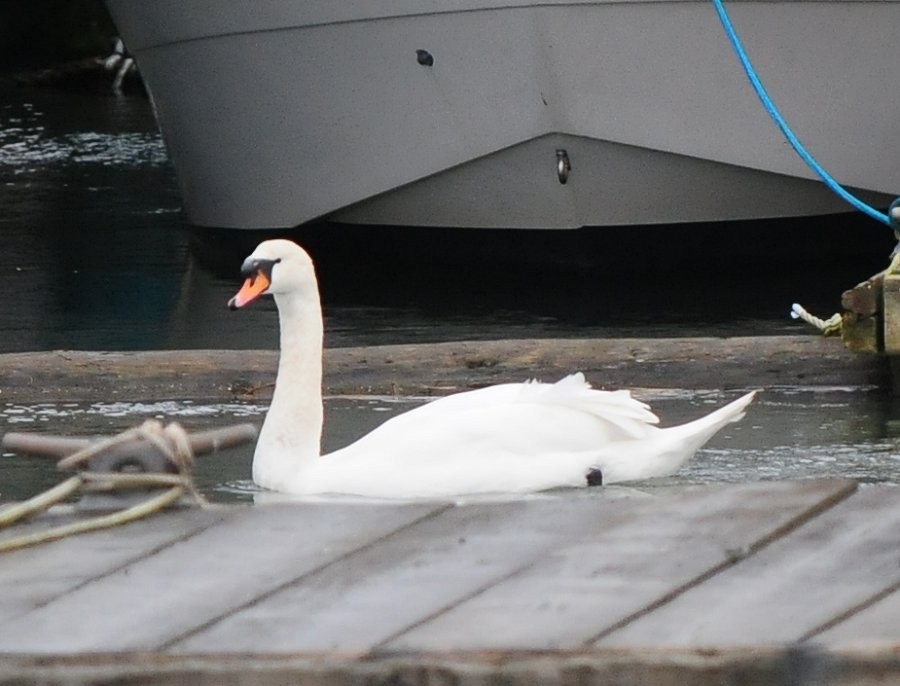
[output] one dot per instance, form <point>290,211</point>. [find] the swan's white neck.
<point>290,439</point>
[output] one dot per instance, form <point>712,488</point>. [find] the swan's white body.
<point>510,438</point>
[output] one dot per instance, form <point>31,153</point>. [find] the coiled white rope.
<point>171,440</point>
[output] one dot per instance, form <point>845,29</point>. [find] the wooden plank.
<point>366,598</point>
<point>801,582</point>
<point>33,577</point>
<point>876,624</point>
<point>155,600</point>
<point>574,593</point>
<point>757,667</point>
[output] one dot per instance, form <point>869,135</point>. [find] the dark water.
<point>96,254</point>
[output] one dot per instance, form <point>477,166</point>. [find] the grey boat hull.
<point>277,113</point>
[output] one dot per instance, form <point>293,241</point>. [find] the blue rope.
<point>785,129</point>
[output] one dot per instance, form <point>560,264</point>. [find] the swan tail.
<point>667,451</point>
<point>696,433</point>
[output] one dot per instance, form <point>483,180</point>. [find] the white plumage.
<point>508,438</point>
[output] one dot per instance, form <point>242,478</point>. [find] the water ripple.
<point>26,149</point>
<point>41,412</point>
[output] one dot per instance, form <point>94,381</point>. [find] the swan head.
<point>277,267</point>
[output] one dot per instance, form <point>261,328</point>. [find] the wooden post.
<point>891,298</point>
<point>861,325</point>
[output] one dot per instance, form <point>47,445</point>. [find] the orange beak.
<point>253,287</point>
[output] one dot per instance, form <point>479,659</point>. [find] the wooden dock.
<point>762,583</point>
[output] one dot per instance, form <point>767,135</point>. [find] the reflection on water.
<point>25,149</point>
<point>90,263</point>
<point>787,434</point>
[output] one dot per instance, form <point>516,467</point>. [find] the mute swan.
<point>512,438</point>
